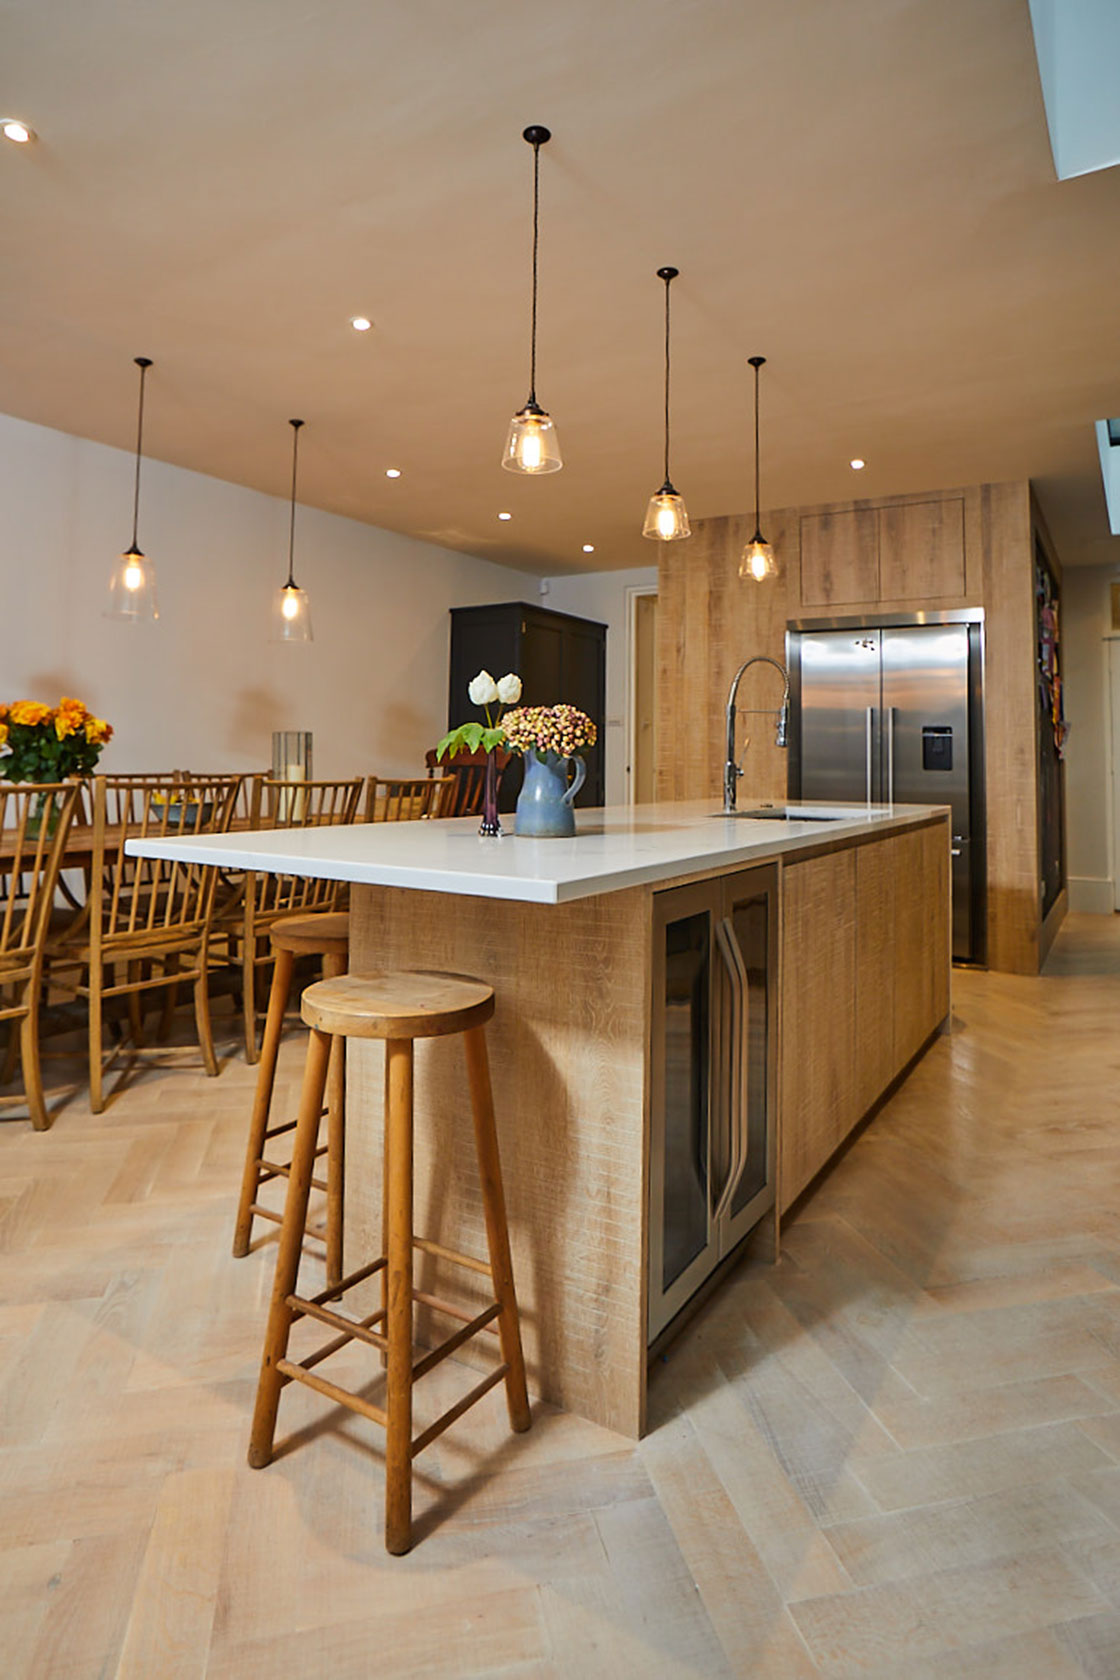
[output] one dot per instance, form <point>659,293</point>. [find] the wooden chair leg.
<point>11,1053</point>
<point>29,1056</point>
<point>170,1000</point>
<point>96,1092</point>
<point>398,1171</point>
<point>135,1012</point>
<point>336,1139</point>
<point>497,1230</point>
<point>262,1100</point>
<point>291,1246</point>
<point>202,1013</point>
<point>249,998</point>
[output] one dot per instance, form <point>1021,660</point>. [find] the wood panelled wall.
<point>937,550</point>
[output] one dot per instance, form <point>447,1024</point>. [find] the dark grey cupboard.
<point>558,657</point>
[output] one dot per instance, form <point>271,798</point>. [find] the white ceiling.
<point>864,193</point>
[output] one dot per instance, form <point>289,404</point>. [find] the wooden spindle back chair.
<point>34,825</point>
<point>145,917</point>
<point>406,798</point>
<point>469,771</point>
<point>282,804</point>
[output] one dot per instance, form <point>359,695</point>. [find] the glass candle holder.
<point>291,762</point>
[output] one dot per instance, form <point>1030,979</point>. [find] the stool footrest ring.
<point>456,1411</point>
<point>332,1391</point>
<point>440,1353</point>
<point>352,1331</point>
<point>457,1259</point>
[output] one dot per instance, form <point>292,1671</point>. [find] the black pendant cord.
<point>536,245</point>
<point>668,275</point>
<point>536,135</point>
<point>756,362</point>
<point>295,425</point>
<point>143,363</point>
<point>668,282</point>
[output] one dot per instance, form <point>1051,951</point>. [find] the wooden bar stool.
<point>326,935</point>
<point>398,1008</point>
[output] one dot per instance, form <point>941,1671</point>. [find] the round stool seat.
<point>325,935</point>
<point>411,1003</point>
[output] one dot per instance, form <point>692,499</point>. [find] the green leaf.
<point>492,738</point>
<point>464,739</point>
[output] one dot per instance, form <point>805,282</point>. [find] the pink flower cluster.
<point>558,729</point>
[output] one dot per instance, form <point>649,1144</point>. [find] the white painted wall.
<point>204,688</point>
<point>604,596</point>
<point>1086,623</point>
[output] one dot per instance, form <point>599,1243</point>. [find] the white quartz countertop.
<point>615,846</point>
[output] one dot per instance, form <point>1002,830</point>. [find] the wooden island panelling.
<point>863,972</point>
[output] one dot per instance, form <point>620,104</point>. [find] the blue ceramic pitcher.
<point>544,805</point>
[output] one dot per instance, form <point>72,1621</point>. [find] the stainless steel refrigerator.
<point>891,712</point>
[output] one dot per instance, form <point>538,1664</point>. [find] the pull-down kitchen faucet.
<point>731,770</point>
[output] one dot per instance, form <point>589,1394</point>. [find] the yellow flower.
<point>98,731</point>
<point>29,713</point>
<point>3,733</point>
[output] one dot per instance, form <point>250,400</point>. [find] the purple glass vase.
<point>490,824</point>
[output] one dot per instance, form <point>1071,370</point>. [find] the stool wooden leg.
<point>497,1231</point>
<point>385,1221</point>
<point>262,1100</point>
<point>398,1171</point>
<point>336,1138</point>
<point>291,1247</point>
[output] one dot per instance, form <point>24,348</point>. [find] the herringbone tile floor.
<point>897,1454</point>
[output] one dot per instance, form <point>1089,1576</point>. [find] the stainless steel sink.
<point>784,813</point>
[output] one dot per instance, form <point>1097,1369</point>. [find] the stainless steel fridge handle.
<point>870,730</point>
<point>737,974</point>
<point>889,710</point>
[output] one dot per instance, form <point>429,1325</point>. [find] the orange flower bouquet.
<point>49,743</point>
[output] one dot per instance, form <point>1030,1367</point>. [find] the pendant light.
<point>292,610</point>
<point>757,561</point>
<point>132,587</point>
<point>666,515</point>
<point>531,443</point>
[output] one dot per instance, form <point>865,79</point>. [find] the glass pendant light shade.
<point>757,562</point>
<point>531,443</point>
<point>666,516</point>
<point>132,587</point>
<point>291,615</point>
<point>291,609</point>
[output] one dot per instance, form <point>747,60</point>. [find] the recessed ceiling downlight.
<point>505,516</point>
<point>361,323</point>
<point>17,131</point>
<point>856,464</point>
<point>589,548</point>
<point>392,472</point>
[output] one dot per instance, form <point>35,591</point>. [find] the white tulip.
<point>483,690</point>
<point>509,690</point>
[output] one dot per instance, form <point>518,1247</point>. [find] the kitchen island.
<point>846,982</point>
